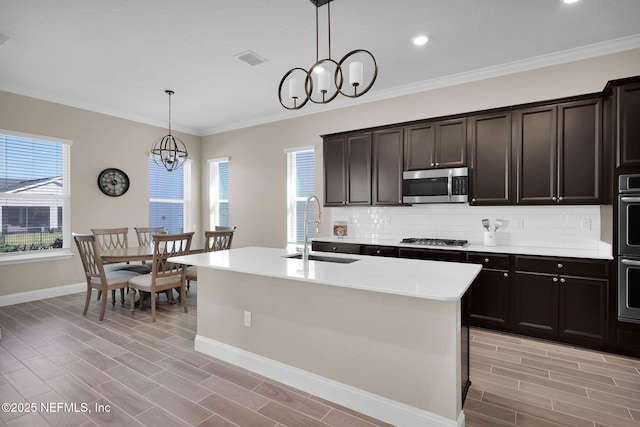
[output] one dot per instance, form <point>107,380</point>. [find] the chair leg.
<point>121,296</point>
<point>103,306</point>
<point>99,295</point>
<point>86,304</point>
<point>113,297</point>
<point>132,298</point>
<point>153,306</point>
<point>183,295</point>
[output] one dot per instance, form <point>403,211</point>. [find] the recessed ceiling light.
<point>570,1</point>
<point>420,40</point>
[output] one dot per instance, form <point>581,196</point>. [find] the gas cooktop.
<point>434,242</point>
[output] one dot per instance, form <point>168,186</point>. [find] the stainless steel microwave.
<point>436,186</point>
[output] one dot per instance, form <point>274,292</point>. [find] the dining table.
<point>132,254</point>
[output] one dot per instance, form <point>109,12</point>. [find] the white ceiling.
<point>118,56</point>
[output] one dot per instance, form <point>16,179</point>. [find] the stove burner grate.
<point>434,242</point>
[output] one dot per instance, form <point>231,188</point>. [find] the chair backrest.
<point>145,234</point>
<point>166,246</point>
<point>217,240</point>
<point>111,238</point>
<point>90,256</point>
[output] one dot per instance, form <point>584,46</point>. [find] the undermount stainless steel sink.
<point>313,257</point>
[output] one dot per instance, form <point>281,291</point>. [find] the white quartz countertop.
<point>604,252</point>
<point>436,280</point>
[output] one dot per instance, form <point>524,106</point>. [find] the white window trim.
<point>213,189</point>
<point>291,243</point>
<point>53,254</point>
<point>186,199</point>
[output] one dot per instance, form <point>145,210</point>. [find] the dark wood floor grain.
<point>128,371</point>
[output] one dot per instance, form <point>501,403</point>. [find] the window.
<point>168,206</point>
<point>300,185</point>
<point>35,196</point>
<point>219,192</point>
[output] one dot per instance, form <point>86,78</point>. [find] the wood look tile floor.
<point>518,381</point>
<point>148,374</point>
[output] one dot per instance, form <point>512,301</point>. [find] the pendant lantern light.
<point>169,152</point>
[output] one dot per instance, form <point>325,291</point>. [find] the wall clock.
<point>113,182</point>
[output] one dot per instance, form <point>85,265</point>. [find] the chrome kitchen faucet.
<point>305,248</point>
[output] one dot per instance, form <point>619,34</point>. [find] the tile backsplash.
<point>568,227</point>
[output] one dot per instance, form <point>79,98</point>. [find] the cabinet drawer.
<point>568,266</point>
<point>344,248</point>
<point>379,250</point>
<point>429,254</point>
<point>492,261</point>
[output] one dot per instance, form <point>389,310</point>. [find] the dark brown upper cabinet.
<point>388,148</point>
<point>490,144</point>
<point>558,151</point>
<point>628,125</point>
<point>347,169</point>
<point>433,145</point>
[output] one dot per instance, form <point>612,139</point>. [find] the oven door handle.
<point>630,262</point>
<point>630,199</point>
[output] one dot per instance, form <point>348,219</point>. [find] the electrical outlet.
<point>585,224</point>
<point>247,319</point>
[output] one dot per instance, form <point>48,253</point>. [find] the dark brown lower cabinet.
<point>343,248</point>
<point>549,303</point>
<point>489,293</point>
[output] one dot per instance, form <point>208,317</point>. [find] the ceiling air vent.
<point>250,58</point>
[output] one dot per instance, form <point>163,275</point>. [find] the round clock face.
<point>113,182</point>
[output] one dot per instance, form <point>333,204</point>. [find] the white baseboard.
<point>22,297</point>
<point>362,401</point>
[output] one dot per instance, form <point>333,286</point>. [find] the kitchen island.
<point>378,335</point>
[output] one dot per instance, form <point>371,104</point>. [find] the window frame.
<point>49,254</point>
<point>214,199</point>
<point>186,201</point>
<point>292,198</point>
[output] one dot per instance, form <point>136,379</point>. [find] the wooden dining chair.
<point>97,277</point>
<point>165,275</point>
<point>145,234</point>
<point>217,240</point>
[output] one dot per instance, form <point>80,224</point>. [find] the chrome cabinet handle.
<point>334,248</point>
<point>562,280</point>
<point>554,198</point>
<point>486,260</point>
<point>555,279</point>
<point>506,274</point>
<point>560,198</point>
<point>559,265</point>
<point>378,251</point>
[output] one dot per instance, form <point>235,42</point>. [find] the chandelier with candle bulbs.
<point>299,86</point>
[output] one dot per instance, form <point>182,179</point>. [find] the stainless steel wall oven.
<point>629,248</point>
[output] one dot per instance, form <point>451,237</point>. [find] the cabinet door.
<point>388,148</point>
<point>536,155</point>
<point>489,299</point>
<point>359,169</point>
<point>491,159</point>
<point>628,125</point>
<point>583,307</point>
<point>335,171</point>
<point>580,151</point>
<point>451,143</point>
<point>431,254</point>
<point>536,303</point>
<point>420,147</point>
